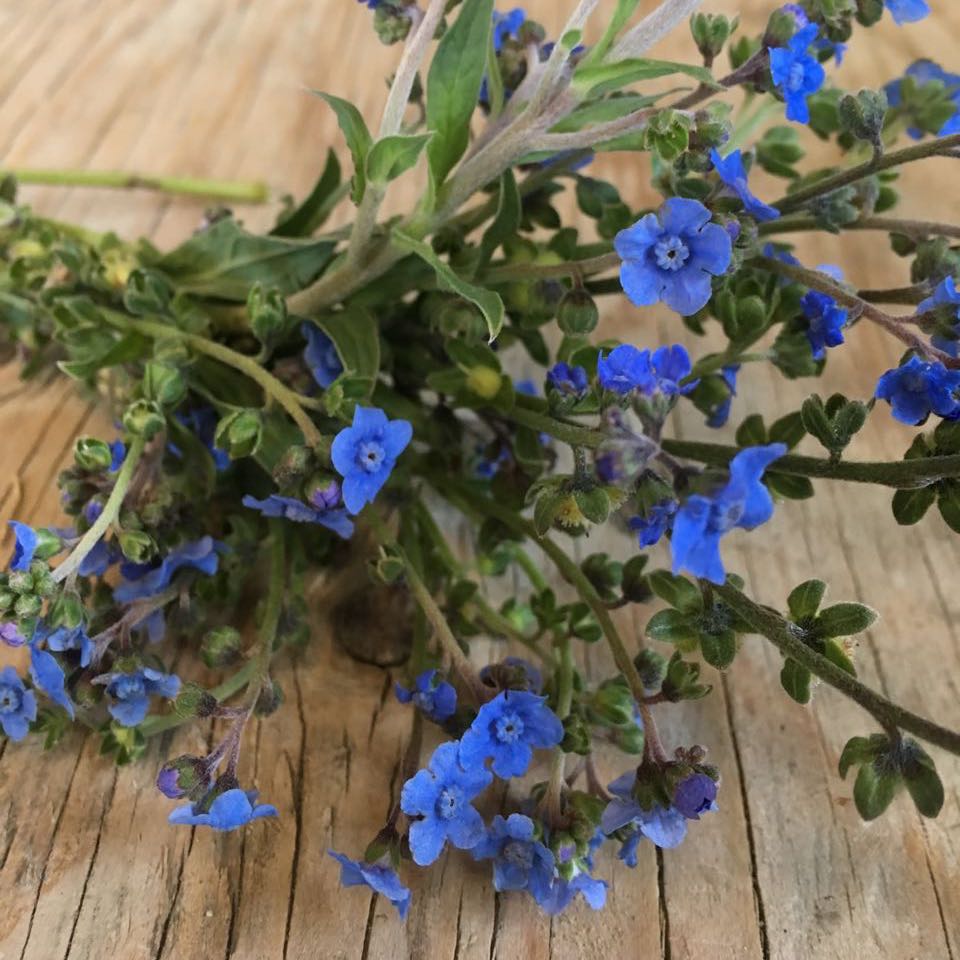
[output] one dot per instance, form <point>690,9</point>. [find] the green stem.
<point>920,151</point>
<point>552,799</point>
<point>525,414</point>
<point>226,190</point>
<point>901,474</point>
<point>111,510</point>
<point>529,567</point>
<point>910,228</point>
<point>500,273</point>
<point>432,612</point>
<point>498,623</point>
<point>271,611</point>
<point>271,386</point>
<point>778,631</point>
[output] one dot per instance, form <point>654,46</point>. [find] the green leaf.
<point>816,422</point>
<point>623,12</point>
<point>305,218</point>
<point>131,346</point>
<point>507,220</point>
<point>790,486</point>
<point>672,626</point>
<point>453,85</point>
<point>789,430</point>
<point>909,506</point>
<point>594,504</point>
<point>922,780</point>
<point>874,790</point>
<point>602,111</point>
<point>845,619</point>
<point>489,303</point>
<point>860,750</point>
<point>949,504</point>
<point>751,432</point>
<point>545,509</point>
<point>391,156</point>
<point>677,591</point>
<point>225,261</point>
<point>719,649</point>
<point>355,334</point>
<point>592,80</point>
<point>357,136</point>
<point>795,679</point>
<point>805,599</point>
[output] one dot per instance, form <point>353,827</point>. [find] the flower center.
<point>126,687</point>
<point>10,699</point>
<point>519,853</point>
<point>671,253</point>
<point>509,728</point>
<point>449,803</point>
<point>725,516</point>
<point>370,455</point>
<point>795,77</point>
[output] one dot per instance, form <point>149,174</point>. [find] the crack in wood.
<point>297,779</point>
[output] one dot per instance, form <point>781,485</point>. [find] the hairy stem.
<point>779,632</point>
<point>110,512</point>
<point>909,228</point>
<point>920,151</point>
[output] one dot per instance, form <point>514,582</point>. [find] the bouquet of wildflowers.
<point>320,403</point>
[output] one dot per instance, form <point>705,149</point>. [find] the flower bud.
<point>163,384</point>
<point>194,701</point>
<point>861,115</point>
<point>292,466</point>
<point>576,735</point>
<point>92,454</point>
<point>269,700</point>
<point>710,32</point>
<point>20,581</point>
<point>137,546</point>
<point>577,312</point>
<point>186,776</point>
<point>652,667</point>
<point>484,382</point>
<point>220,646</point>
<point>146,292</point>
<point>634,584</point>
<point>239,433</point>
<point>391,23</point>
<point>613,704</point>
<point>27,605</point>
<point>267,311</point>
<point>143,418</point>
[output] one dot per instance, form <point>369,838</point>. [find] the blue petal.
<point>130,713</point>
<point>396,435</point>
<point>48,675</point>
<point>641,282</point>
<point>419,794</point>
<point>634,242</point>
<point>427,838</point>
<point>25,546</point>
<point>666,828</point>
<point>680,215</point>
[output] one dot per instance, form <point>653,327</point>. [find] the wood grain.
<point>785,870</point>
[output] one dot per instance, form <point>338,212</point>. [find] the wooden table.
<point>88,866</point>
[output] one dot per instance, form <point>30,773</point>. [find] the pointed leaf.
<point>677,591</point>
<point>909,506</point>
<point>305,218</point>
<point>391,156</point>
<point>874,789</point>
<point>805,599</point>
<point>357,136</point>
<point>845,619</point>
<point>795,679</point>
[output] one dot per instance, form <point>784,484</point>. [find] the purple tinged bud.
<point>11,636</point>
<point>327,497</point>
<point>184,776</point>
<point>695,795</point>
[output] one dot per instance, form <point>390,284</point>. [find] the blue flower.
<point>321,355</point>
<point>148,581</point>
<point>378,876</point>
<point>672,256</point>
<point>797,73</point>
<point>825,319</point>
<point>568,380</point>
<point>945,295</point>
<point>436,698</point>
<point>290,508</point>
<point>11,635</point>
<point>364,454</point>
<point>731,172</point>
<point>907,11</point>
<point>670,366</point>
<point>655,524</point>
<point>506,25</point>
<point>665,827</point>
<point>695,795</point>
<point>63,639</point>
<point>923,72</point>
<point>520,861</point>
<point>562,892</point>
<point>18,705</point>
<point>702,521</point>
<point>719,415</point>
<point>103,556</point>
<point>918,388</point>
<point>131,692</point>
<point>232,809</point>
<point>508,728</point>
<point>837,50</point>
<point>625,369</point>
<point>118,453</point>
<point>440,796</point>
<point>202,421</point>
<point>47,675</point>
<point>25,546</point>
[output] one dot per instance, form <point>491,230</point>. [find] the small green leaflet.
<point>489,303</point>
<point>356,337</point>
<point>603,78</point>
<point>391,156</point>
<point>453,85</point>
<point>358,139</point>
<point>507,220</point>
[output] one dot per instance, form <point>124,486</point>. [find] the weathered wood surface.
<point>88,866</point>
